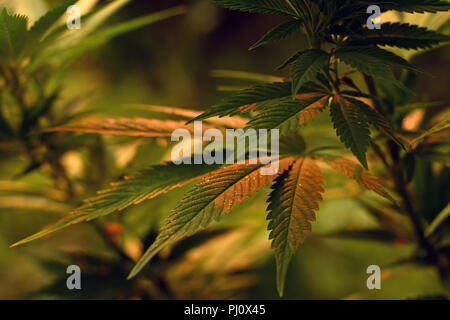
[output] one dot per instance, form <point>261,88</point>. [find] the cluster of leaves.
<point>337,38</point>
<point>34,62</point>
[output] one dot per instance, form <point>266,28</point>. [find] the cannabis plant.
<point>347,70</point>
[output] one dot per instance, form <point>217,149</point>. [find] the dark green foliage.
<point>286,114</point>
<point>262,6</point>
<point>145,185</point>
<point>411,6</point>
<point>235,104</point>
<point>366,60</point>
<point>336,35</point>
<point>351,127</point>
<point>376,119</point>
<point>13,34</point>
<point>306,67</point>
<point>44,24</point>
<point>400,35</point>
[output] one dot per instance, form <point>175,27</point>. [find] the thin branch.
<point>373,92</point>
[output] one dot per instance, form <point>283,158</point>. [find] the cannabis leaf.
<point>357,173</point>
<point>40,27</point>
<point>261,6</point>
<point>13,32</point>
<point>292,203</point>
<point>242,101</point>
<point>214,196</point>
<point>138,127</point>
<point>287,114</point>
<point>366,60</point>
<point>411,6</point>
<point>131,191</point>
<point>255,97</point>
<point>307,66</point>
<point>401,35</point>
<point>291,59</point>
<point>280,32</point>
<point>377,120</point>
<point>351,127</point>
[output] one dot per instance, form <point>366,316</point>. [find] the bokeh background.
<point>177,63</point>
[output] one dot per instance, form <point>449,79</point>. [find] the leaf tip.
<point>281,280</point>
<point>18,243</point>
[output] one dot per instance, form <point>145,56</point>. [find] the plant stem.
<point>374,92</point>
<point>292,7</point>
<point>330,78</point>
<point>401,188</point>
<point>400,183</point>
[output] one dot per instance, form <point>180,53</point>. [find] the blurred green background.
<point>172,63</point>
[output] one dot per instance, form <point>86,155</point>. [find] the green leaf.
<point>357,173</point>
<point>13,31</point>
<point>400,35</point>
<point>60,37</point>
<point>131,191</point>
<point>295,197</point>
<point>411,6</point>
<point>442,216</point>
<point>366,60</point>
<point>391,59</point>
<point>287,114</point>
<point>280,32</point>
<point>238,103</point>
<point>291,60</point>
<point>351,127</point>
<point>306,67</point>
<point>260,6</point>
<point>40,27</point>
<point>214,196</point>
<point>377,120</point>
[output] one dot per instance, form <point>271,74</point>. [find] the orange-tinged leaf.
<point>286,114</point>
<point>217,194</point>
<point>138,127</point>
<point>292,207</point>
<point>186,114</point>
<point>130,191</point>
<point>358,173</point>
<point>313,110</point>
